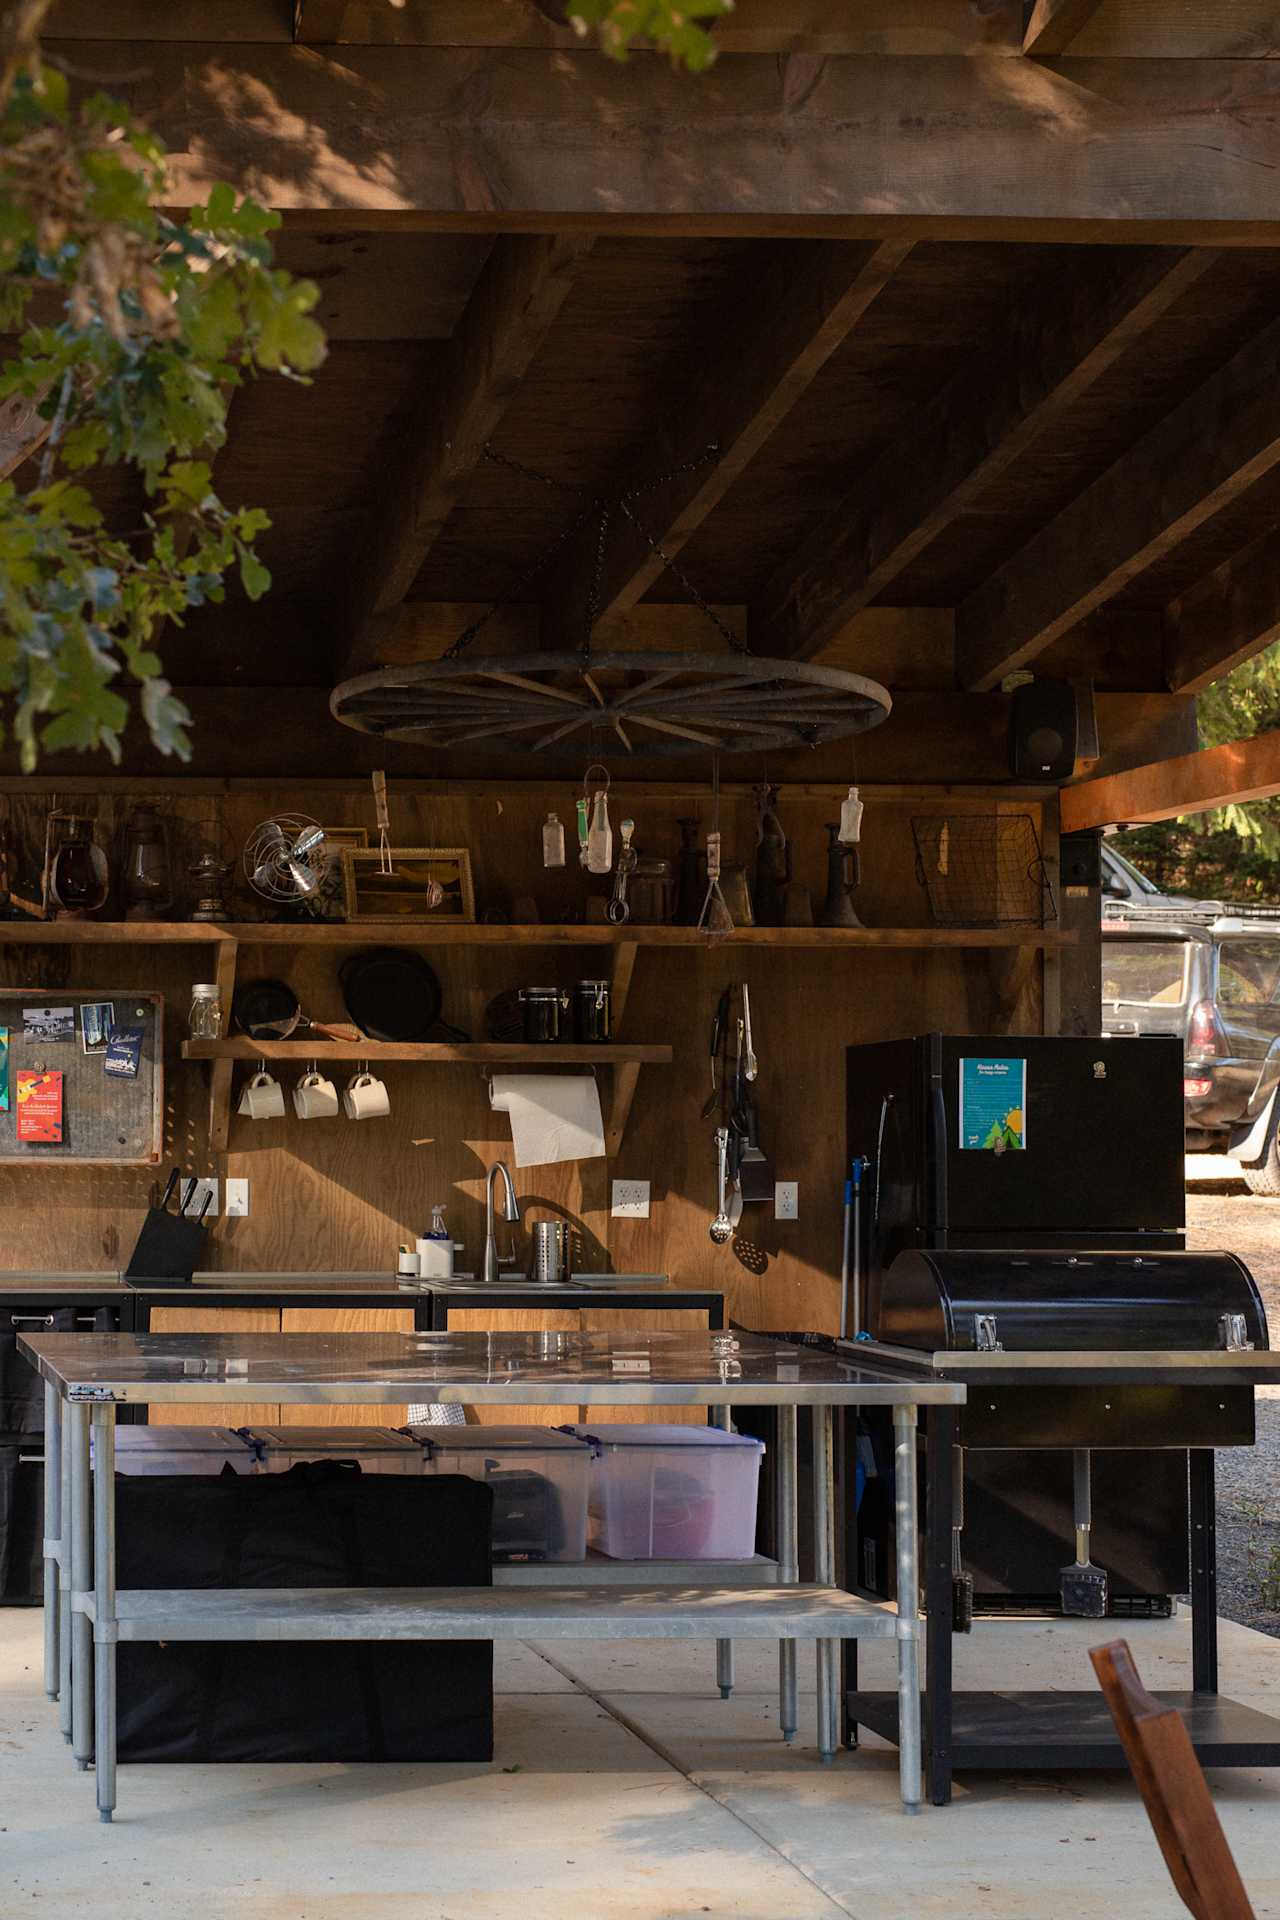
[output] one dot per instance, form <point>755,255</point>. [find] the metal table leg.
<point>722,1417</point>
<point>824,1561</point>
<point>64,1568</point>
<point>104,1606</point>
<point>788,1550</point>
<point>1204,1573</point>
<point>906,1522</point>
<point>52,1530</point>
<point>940,1455</point>
<point>77,1438</point>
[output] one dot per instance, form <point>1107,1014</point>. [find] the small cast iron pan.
<point>390,994</point>
<point>269,1010</point>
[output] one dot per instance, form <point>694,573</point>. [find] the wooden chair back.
<point>1172,1783</point>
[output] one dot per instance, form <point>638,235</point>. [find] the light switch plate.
<point>203,1186</point>
<point>630,1200</point>
<point>237,1199</point>
<point>786,1200</point>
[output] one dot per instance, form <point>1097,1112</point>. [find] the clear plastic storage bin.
<point>151,1450</point>
<point>376,1449</point>
<point>673,1493</point>
<point>539,1480</point>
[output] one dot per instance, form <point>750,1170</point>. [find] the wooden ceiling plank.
<point>1054,24</point>
<point>1224,619</point>
<point>22,431</point>
<point>1214,446</point>
<point>499,139</point>
<point>523,286</point>
<point>1062,340</point>
<point>760,362</point>
<point>319,23</point>
<point>1236,773</point>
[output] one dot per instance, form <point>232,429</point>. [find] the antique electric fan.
<point>731,701</point>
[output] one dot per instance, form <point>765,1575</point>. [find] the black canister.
<point>541,1010</point>
<point>592,1012</point>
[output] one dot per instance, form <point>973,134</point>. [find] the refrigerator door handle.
<point>940,1144</point>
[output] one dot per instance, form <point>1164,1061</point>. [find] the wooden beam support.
<point>1224,619</point>
<point>850,146</point>
<point>523,286</point>
<point>319,23</point>
<point>1054,24</point>
<point>1242,770</point>
<point>759,364</point>
<point>1204,454</point>
<point>1066,336</point>
<point>22,431</point>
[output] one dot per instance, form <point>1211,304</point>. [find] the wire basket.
<point>982,870</point>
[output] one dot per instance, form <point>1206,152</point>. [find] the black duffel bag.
<point>321,1525</point>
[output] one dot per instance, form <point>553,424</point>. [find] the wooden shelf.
<point>429,1053</point>
<point>274,933</point>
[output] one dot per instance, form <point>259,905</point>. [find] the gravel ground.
<point>1221,1212</point>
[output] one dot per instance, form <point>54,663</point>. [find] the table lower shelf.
<point>598,1570</point>
<point>1007,1732</point>
<point>497,1613</point>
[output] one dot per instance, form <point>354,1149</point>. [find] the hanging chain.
<point>605,506</point>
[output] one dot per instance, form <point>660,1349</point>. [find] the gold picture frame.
<point>340,837</point>
<point>376,897</point>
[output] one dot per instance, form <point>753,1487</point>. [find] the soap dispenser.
<point>435,1249</point>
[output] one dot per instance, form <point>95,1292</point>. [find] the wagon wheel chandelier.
<point>653,701</point>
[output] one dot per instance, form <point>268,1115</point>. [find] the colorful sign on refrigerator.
<point>993,1105</point>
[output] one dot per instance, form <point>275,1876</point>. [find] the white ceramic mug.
<point>365,1098</point>
<point>314,1097</point>
<point>262,1098</point>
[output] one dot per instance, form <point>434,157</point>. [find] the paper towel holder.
<point>487,1073</point>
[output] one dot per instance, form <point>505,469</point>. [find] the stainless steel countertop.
<point>85,1284</point>
<point>601,1370</point>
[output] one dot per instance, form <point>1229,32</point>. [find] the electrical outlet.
<point>631,1199</point>
<point>209,1186</point>
<point>237,1199</point>
<point>786,1200</point>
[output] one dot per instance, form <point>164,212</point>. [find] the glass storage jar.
<point>204,1022</point>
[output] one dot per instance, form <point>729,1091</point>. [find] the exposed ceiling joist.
<point>22,431</point>
<point>1210,449</point>
<point>762,361</point>
<point>523,286</point>
<point>1065,336</point>
<point>1224,619</point>
<point>1054,24</point>
<point>1242,770</point>
<point>945,147</point>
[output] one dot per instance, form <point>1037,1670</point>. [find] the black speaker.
<point>1043,731</point>
<point>1080,859</point>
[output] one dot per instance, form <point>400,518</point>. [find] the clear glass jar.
<point>205,1019</point>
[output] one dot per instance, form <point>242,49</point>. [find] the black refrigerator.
<point>1053,1142</point>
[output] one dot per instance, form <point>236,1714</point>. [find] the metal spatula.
<point>1083,1586</point>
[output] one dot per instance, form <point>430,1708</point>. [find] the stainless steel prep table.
<point>88,1376</point>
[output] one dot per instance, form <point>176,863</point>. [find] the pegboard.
<point>106,1120</point>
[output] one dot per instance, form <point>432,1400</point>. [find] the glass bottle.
<point>552,842</point>
<point>204,1022</point>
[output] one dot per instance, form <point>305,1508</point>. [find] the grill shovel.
<point>1083,1586</point>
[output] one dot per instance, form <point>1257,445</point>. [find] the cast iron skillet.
<point>390,994</point>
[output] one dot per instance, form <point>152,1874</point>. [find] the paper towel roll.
<point>554,1116</point>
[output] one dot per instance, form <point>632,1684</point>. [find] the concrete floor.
<point>623,1789</point>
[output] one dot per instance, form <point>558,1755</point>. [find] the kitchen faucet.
<point>510,1212</point>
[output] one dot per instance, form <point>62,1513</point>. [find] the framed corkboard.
<point>107,1120</point>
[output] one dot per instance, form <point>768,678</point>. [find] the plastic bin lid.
<point>342,1440</point>
<point>496,1439</point>
<point>610,1434</point>
<point>179,1440</point>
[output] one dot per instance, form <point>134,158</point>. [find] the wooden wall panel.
<point>331,1194</point>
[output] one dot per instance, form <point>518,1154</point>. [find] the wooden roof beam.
<point>945,148</point>
<point>1065,337</point>
<point>1210,449</point>
<point>22,431</point>
<point>1224,619</point>
<point>1242,770</point>
<point>514,304</point>
<point>1054,24</point>
<point>762,360</point>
